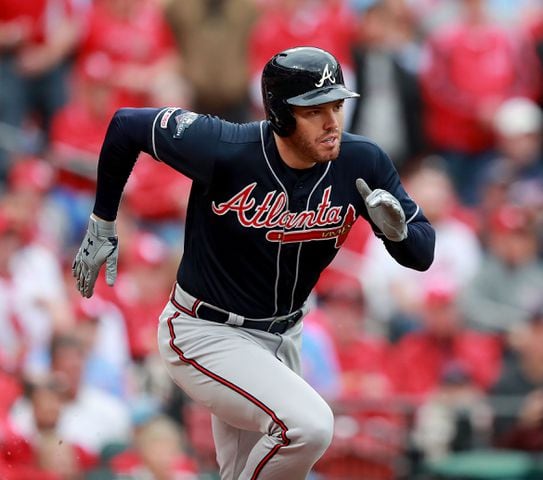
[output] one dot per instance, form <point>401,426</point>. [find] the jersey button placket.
<point>299,197</point>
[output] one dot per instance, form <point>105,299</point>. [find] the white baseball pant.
<point>268,423</point>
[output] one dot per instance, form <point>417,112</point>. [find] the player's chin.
<point>328,154</point>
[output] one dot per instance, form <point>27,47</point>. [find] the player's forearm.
<point>126,137</point>
<point>417,250</point>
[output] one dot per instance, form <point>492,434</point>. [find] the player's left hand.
<point>385,211</point>
<point>98,247</point>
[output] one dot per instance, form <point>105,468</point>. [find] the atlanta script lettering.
<point>272,213</point>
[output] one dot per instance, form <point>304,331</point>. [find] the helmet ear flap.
<point>279,115</point>
<point>285,124</point>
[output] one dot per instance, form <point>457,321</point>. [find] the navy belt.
<point>196,308</point>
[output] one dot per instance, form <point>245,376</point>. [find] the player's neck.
<point>290,156</point>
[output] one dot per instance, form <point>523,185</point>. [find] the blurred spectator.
<point>517,396</point>
<point>320,365</point>
<point>42,452</point>
<point>158,451</point>
<point>517,173</point>
<point>102,331</point>
<point>142,282</point>
<point>136,41</point>
<point>158,200</point>
<point>33,300</point>
<point>519,127</point>
<point>144,277</point>
<point>13,346</point>
<point>470,68</point>
<point>76,137</point>
<point>360,357</point>
<point>37,39</point>
<point>455,417</point>
<point>370,424</point>
<point>349,258</point>
<point>213,39</point>
<point>509,280</point>
<point>395,294</point>
<point>328,24</point>
<point>431,14</point>
<point>30,180</point>
<point>90,417</point>
<point>434,14</point>
<point>386,64</point>
<point>347,365</point>
<point>421,358</point>
<point>343,358</point>
<point>78,131</point>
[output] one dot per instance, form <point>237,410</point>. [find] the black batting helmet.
<point>300,76</point>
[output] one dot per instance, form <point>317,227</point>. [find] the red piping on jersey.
<point>235,388</point>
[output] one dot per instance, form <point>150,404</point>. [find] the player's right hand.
<point>99,246</point>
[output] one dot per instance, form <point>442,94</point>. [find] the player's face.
<point>317,136</point>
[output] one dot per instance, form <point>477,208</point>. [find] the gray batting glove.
<point>385,211</point>
<point>98,247</point>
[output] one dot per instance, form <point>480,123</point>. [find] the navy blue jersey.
<point>258,233</point>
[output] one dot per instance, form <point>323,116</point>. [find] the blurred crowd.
<point>417,366</point>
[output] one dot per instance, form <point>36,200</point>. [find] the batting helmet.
<point>301,76</point>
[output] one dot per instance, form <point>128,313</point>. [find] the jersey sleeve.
<point>417,250</point>
<point>186,141</point>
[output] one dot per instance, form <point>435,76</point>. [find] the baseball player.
<point>271,204</point>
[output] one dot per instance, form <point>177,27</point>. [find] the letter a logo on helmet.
<point>301,76</point>
<point>326,75</point>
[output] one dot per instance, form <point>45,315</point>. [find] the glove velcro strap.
<point>102,228</point>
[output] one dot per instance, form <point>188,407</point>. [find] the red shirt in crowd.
<point>77,135</point>
<point>419,360</point>
<point>139,38</point>
<point>11,389</point>
<point>469,71</point>
<point>331,27</point>
<point>35,17</point>
<point>19,460</point>
<point>141,289</point>
<point>362,369</point>
<point>140,316</point>
<point>156,192</point>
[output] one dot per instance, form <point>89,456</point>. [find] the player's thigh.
<point>238,379</point>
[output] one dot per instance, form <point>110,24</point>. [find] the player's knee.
<point>314,430</point>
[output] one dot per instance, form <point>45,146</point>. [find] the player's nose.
<point>331,120</point>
